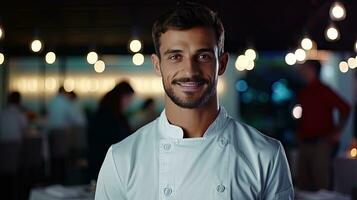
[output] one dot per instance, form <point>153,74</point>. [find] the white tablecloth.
<point>320,195</point>
<point>345,174</point>
<point>56,192</point>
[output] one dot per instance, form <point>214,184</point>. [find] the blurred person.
<point>78,136</point>
<point>13,125</point>
<point>59,120</point>
<point>318,134</point>
<point>77,114</point>
<point>354,137</point>
<point>78,124</point>
<point>194,150</point>
<point>109,125</point>
<point>146,114</point>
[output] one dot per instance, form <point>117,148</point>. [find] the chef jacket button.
<point>167,147</point>
<point>220,188</point>
<point>223,142</point>
<point>167,191</point>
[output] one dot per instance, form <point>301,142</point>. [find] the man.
<point>13,125</point>
<point>194,150</point>
<point>317,131</point>
<point>60,121</point>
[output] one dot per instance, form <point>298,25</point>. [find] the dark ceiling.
<point>73,27</point>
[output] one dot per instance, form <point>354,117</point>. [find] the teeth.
<point>190,84</point>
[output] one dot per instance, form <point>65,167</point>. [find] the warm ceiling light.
<point>138,59</point>
<point>343,66</point>
<point>135,46</point>
<point>241,63</point>
<point>250,65</point>
<point>300,55</point>
<point>353,152</point>
<point>36,45</point>
<point>99,66</point>
<point>1,32</point>
<point>290,59</point>
<point>352,63</point>
<point>69,85</point>
<point>2,58</point>
<point>332,33</point>
<point>297,111</point>
<point>92,57</point>
<point>250,54</point>
<point>306,43</point>
<point>50,57</point>
<point>337,11</point>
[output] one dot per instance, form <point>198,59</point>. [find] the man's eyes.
<point>175,57</point>
<point>204,57</point>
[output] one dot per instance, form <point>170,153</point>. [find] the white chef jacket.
<point>232,161</point>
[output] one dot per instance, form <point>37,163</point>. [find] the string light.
<point>50,57</point>
<point>69,85</point>
<point>36,45</point>
<point>353,152</point>
<point>290,59</point>
<point>241,63</point>
<point>297,111</point>
<point>300,55</point>
<point>337,11</point>
<point>92,57</point>
<point>250,65</point>
<point>343,66</point>
<point>2,58</point>
<point>352,63</point>
<point>99,66</point>
<point>138,59</point>
<point>306,43</point>
<point>332,33</point>
<point>250,54</point>
<point>135,46</point>
<point>1,32</point>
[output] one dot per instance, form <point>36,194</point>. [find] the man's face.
<point>189,65</point>
<point>307,73</point>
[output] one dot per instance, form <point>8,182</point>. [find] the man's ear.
<point>223,61</point>
<point>156,62</point>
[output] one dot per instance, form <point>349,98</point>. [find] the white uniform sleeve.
<point>279,185</point>
<point>109,184</point>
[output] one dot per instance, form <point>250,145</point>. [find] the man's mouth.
<point>190,85</point>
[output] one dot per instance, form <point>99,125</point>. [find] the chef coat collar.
<point>168,130</point>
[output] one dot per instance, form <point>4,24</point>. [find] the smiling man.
<point>194,150</point>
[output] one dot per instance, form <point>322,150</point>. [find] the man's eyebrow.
<point>170,51</point>
<point>210,50</point>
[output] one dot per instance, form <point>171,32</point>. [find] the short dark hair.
<point>123,88</point>
<point>14,98</point>
<point>110,101</point>
<point>315,65</point>
<point>188,15</point>
<point>61,90</point>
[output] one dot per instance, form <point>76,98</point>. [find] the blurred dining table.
<point>345,173</point>
<point>57,192</point>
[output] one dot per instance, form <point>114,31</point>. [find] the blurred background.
<point>66,65</point>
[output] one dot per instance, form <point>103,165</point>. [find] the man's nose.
<point>191,66</point>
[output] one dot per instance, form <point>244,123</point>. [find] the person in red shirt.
<point>318,132</point>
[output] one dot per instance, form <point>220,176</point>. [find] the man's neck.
<point>194,122</point>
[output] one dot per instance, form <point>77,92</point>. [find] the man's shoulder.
<point>250,142</point>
